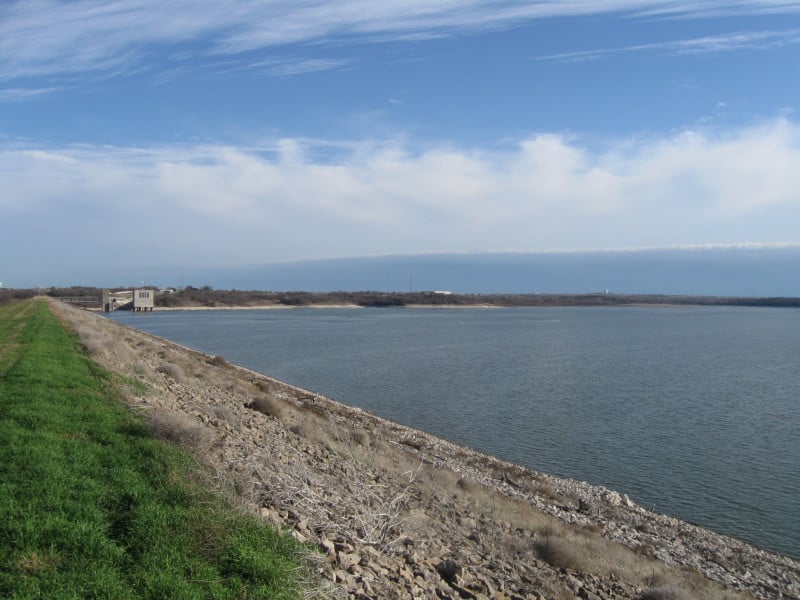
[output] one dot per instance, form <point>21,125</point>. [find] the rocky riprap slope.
<point>399,513</point>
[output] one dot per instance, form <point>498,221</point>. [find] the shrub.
<point>547,491</point>
<point>593,528</point>
<point>238,387</point>
<point>557,553</point>
<point>360,437</point>
<point>219,361</point>
<point>646,549</point>
<point>268,406</point>
<point>516,545</point>
<point>93,345</point>
<point>264,386</point>
<point>225,414</point>
<point>314,409</point>
<point>468,486</point>
<point>178,428</point>
<point>141,370</point>
<point>546,530</point>
<point>172,371</point>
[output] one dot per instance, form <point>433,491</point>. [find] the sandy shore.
<point>399,513</point>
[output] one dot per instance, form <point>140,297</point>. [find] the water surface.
<point>691,411</point>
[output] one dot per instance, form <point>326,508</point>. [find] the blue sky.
<point>136,133</point>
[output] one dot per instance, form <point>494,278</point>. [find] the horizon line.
<point>593,250</point>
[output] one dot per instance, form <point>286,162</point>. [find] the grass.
<point>94,507</point>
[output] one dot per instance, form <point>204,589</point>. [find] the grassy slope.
<point>92,507</point>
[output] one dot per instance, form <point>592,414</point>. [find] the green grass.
<point>91,506</point>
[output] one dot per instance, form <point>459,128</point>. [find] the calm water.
<point>690,411</point>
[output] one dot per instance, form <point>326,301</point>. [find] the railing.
<point>82,300</point>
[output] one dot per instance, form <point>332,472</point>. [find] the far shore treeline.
<point>190,297</point>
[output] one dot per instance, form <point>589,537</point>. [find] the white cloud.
<point>734,175</point>
<point>727,42</point>
<point>227,205</point>
<point>57,37</point>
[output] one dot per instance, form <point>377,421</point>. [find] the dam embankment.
<point>400,513</point>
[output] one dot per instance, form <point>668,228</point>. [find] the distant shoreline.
<point>367,300</point>
<point>278,307</point>
<point>209,299</point>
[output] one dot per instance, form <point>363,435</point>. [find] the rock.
<point>302,527</point>
<point>467,523</point>
<point>611,497</point>
<point>585,594</point>
<point>348,560</point>
<point>448,570</point>
<point>345,578</point>
<point>299,536</point>
<point>328,547</point>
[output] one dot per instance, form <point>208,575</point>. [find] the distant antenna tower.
<point>410,280</point>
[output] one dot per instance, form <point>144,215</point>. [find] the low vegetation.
<point>94,506</point>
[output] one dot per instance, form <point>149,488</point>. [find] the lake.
<point>692,412</point>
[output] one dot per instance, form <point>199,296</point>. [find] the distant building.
<point>436,293</point>
<point>112,301</point>
<point>143,300</point>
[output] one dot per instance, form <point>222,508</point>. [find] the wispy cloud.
<point>717,8</point>
<point>728,42</point>
<point>57,37</point>
<point>284,67</point>
<point>224,205</point>
<point>14,94</point>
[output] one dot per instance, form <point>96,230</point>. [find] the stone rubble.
<point>398,513</point>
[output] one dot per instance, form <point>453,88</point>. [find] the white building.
<point>143,300</point>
